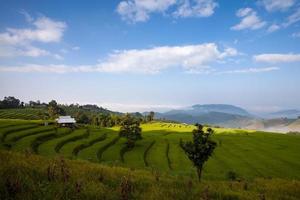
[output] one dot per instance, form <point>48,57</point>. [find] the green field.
<point>28,176</point>
<point>249,154</point>
<point>24,113</point>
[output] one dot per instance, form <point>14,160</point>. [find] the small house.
<point>66,121</point>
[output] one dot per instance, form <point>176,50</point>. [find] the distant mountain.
<point>292,113</point>
<point>196,110</point>
<point>206,114</point>
<point>215,118</point>
<point>233,117</point>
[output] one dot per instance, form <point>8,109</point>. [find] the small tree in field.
<point>130,129</point>
<point>200,149</point>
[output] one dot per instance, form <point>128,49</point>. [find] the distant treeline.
<point>84,114</point>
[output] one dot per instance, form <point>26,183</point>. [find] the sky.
<point>141,55</point>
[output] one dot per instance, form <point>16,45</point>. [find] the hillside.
<point>231,117</point>
<point>159,149</point>
<point>292,113</point>
<point>294,126</point>
<point>27,176</point>
<point>34,113</point>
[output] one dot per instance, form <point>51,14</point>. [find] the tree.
<point>130,129</point>
<point>82,118</point>
<point>54,110</point>
<point>150,116</point>
<point>10,102</point>
<point>200,149</point>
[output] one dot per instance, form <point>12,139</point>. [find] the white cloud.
<point>191,58</point>
<point>277,5</point>
<point>296,35</point>
<point>277,58</point>
<point>18,42</point>
<point>26,15</point>
<point>250,70</point>
<point>76,48</point>
<point>196,8</point>
<point>273,28</point>
<point>293,18</point>
<point>46,30</point>
<point>121,107</point>
<point>249,20</point>
<point>140,10</point>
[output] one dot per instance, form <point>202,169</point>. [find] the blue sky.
<point>136,55</point>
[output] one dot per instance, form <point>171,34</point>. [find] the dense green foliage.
<point>130,129</point>
<point>11,102</point>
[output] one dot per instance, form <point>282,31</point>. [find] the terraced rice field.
<point>24,113</point>
<point>249,154</point>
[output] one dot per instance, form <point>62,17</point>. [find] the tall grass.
<point>27,176</point>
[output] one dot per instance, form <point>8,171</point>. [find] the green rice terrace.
<point>88,162</point>
<point>247,154</point>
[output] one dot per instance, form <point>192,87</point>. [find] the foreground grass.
<point>28,176</point>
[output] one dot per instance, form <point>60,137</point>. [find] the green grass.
<point>23,113</point>
<point>25,143</point>
<point>48,148</point>
<point>7,130</point>
<point>67,149</point>
<point>78,135</point>
<point>27,177</point>
<point>91,152</point>
<point>46,137</point>
<point>249,154</point>
<point>15,136</point>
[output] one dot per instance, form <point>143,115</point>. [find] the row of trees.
<point>11,102</point>
<point>85,114</point>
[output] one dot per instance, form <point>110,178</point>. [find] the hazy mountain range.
<point>235,117</point>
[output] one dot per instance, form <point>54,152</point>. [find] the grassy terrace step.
<point>48,147</point>
<point>60,132</point>
<point>14,137</point>
<point>157,156</point>
<point>83,146</point>
<point>103,148</point>
<point>94,135</point>
<point>146,153</point>
<point>12,129</point>
<point>178,160</point>
<point>90,153</point>
<point>266,156</point>
<point>25,142</point>
<point>26,113</point>
<point>77,135</point>
<point>111,155</point>
<point>135,157</point>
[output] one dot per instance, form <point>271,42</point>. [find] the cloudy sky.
<point>135,55</point>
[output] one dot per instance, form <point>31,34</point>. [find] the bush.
<point>231,175</point>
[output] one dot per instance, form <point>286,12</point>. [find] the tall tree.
<point>82,118</point>
<point>130,129</point>
<point>54,110</point>
<point>151,116</point>
<point>200,149</point>
<point>10,102</point>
